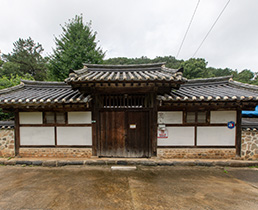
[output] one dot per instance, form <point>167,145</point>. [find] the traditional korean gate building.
<point>129,111</point>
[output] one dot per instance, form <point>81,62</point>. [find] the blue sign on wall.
<point>231,125</point>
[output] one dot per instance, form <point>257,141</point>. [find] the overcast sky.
<point>134,28</point>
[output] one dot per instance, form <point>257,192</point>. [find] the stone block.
<point>122,162</point>
<point>165,163</point>
<point>37,162</point>
<point>23,162</point>
<point>49,163</point>
<point>10,162</point>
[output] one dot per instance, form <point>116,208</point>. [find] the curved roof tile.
<point>126,73</point>
<point>37,92</point>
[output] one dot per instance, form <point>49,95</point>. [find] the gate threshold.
<point>123,168</point>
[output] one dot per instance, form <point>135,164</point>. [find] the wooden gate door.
<point>124,134</point>
<point>137,141</point>
<point>112,134</point>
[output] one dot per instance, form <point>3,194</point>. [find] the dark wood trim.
<point>192,147</point>
<point>55,146</point>
<point>95,122</point>
<point>17,132</point>
<point>195,136</point>
<point>153,127</point>
<point>55,125</point>
<point>238,132</point>
<point>198,125</point>
<point>124,109</point>
<point>55,136</point>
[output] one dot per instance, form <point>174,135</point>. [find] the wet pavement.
<point>97,187</point>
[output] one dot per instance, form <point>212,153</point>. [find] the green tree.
<point>171,62</point>
<point>75,46</point>
<point>26,58</point>
<point>244,76</point>
<point>195,68</point>
<point>6,82</point>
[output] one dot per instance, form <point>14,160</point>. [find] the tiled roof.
<point>250,123</point>
<point>35,92</point>
<point>213,89</point>
<point>6,124</point>
<point>126,73</point>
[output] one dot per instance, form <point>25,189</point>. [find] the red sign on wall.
<point>162,133</point>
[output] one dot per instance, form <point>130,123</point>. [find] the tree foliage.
<point>26,58</point>
<point>75,46</point>
<point>193,68</point>
<point>6,82</point>
<point>171,62</point>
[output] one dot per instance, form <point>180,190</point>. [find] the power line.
<point>211,28</point>
<point>188,28</point>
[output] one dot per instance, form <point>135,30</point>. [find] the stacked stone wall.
<point>7,143</point>
<point>249,147</point>
<point>196,153</point>
<point>55,152</point>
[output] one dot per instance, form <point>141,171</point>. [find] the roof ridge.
<point>124,65</point>
<point>223,79</point>
<point>10,89</point>
<point>244,85</point>
<point>32,82</point>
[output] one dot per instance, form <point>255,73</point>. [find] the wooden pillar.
<point>238,132</point>
<point>154,126</point>
<point>94,118</point>
<point>17,132</point>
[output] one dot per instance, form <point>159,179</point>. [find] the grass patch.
<point>253,166</point>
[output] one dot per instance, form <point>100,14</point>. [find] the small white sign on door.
<point>133,126</point>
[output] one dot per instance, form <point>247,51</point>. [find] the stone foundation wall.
<point>196,153</point>
<point>56,152</point>
<point>249,147</point>
<point>7,143</point>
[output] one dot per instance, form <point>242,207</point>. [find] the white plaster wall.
<point>74,136</point>
<point>178,136</point>
<point>30,117</point>
<point>215,136</point>
<point>79,117</point>
<point>37,136</point>
<point>175,117</point>
<point>222,116</point>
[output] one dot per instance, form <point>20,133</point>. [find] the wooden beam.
<point>95,118</point>
<point>153,126</point>
<point>17,132</point>
<point>238,132</point>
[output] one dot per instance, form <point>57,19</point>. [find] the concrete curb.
<point>130,162</point>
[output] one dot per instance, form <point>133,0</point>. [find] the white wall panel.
<point>74,136</point>
<point>215,136</point>
<point>178,136</point>
<point>223,116</point>
<point>170,117</point>
<point>37,136</point>
<point>79,117</point>
<point>30,117</point>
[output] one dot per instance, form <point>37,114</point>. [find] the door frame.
<point>96,108</point>
<point>152,129</point>
<point>147,141</point>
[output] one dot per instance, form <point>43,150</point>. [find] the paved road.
<point>92,187</point>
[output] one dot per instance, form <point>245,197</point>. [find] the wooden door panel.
<point>137,134</point>
<point>112,134</point>
<point>119,138</point>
